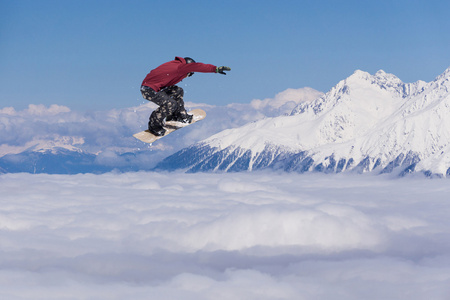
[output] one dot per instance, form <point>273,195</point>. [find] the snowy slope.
<point>365,123</point>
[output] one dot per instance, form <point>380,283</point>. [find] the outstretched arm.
<point>197,67</point>
<point>204,68</point>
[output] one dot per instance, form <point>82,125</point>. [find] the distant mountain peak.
<point>381,79</point>
<point>445,75</point>
<point>360,74</point>
<point>380,75</point>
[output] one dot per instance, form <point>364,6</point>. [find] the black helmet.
<point>189,61</point>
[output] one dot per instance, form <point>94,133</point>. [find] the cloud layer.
<point>223,236</point>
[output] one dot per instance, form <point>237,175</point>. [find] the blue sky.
<point>93,55</point>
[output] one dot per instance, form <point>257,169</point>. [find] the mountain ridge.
<point>365,123</point>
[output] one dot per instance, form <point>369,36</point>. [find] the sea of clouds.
<point>245,236</point>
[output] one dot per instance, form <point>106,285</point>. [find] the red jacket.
<point>172,72</point>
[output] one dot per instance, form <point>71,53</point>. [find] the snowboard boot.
<point>157,130</point>
<point>182,118</point>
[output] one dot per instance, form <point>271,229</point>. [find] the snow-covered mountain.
<point>366,123</point>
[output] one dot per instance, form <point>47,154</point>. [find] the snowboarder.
<point>159,86</point>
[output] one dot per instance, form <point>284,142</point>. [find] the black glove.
<point>222,69</point>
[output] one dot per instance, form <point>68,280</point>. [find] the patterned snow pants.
<point>170,101</point>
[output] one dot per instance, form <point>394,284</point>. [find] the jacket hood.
<point>180,59</point>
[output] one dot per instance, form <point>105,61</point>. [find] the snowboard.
<point>170,126</point>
